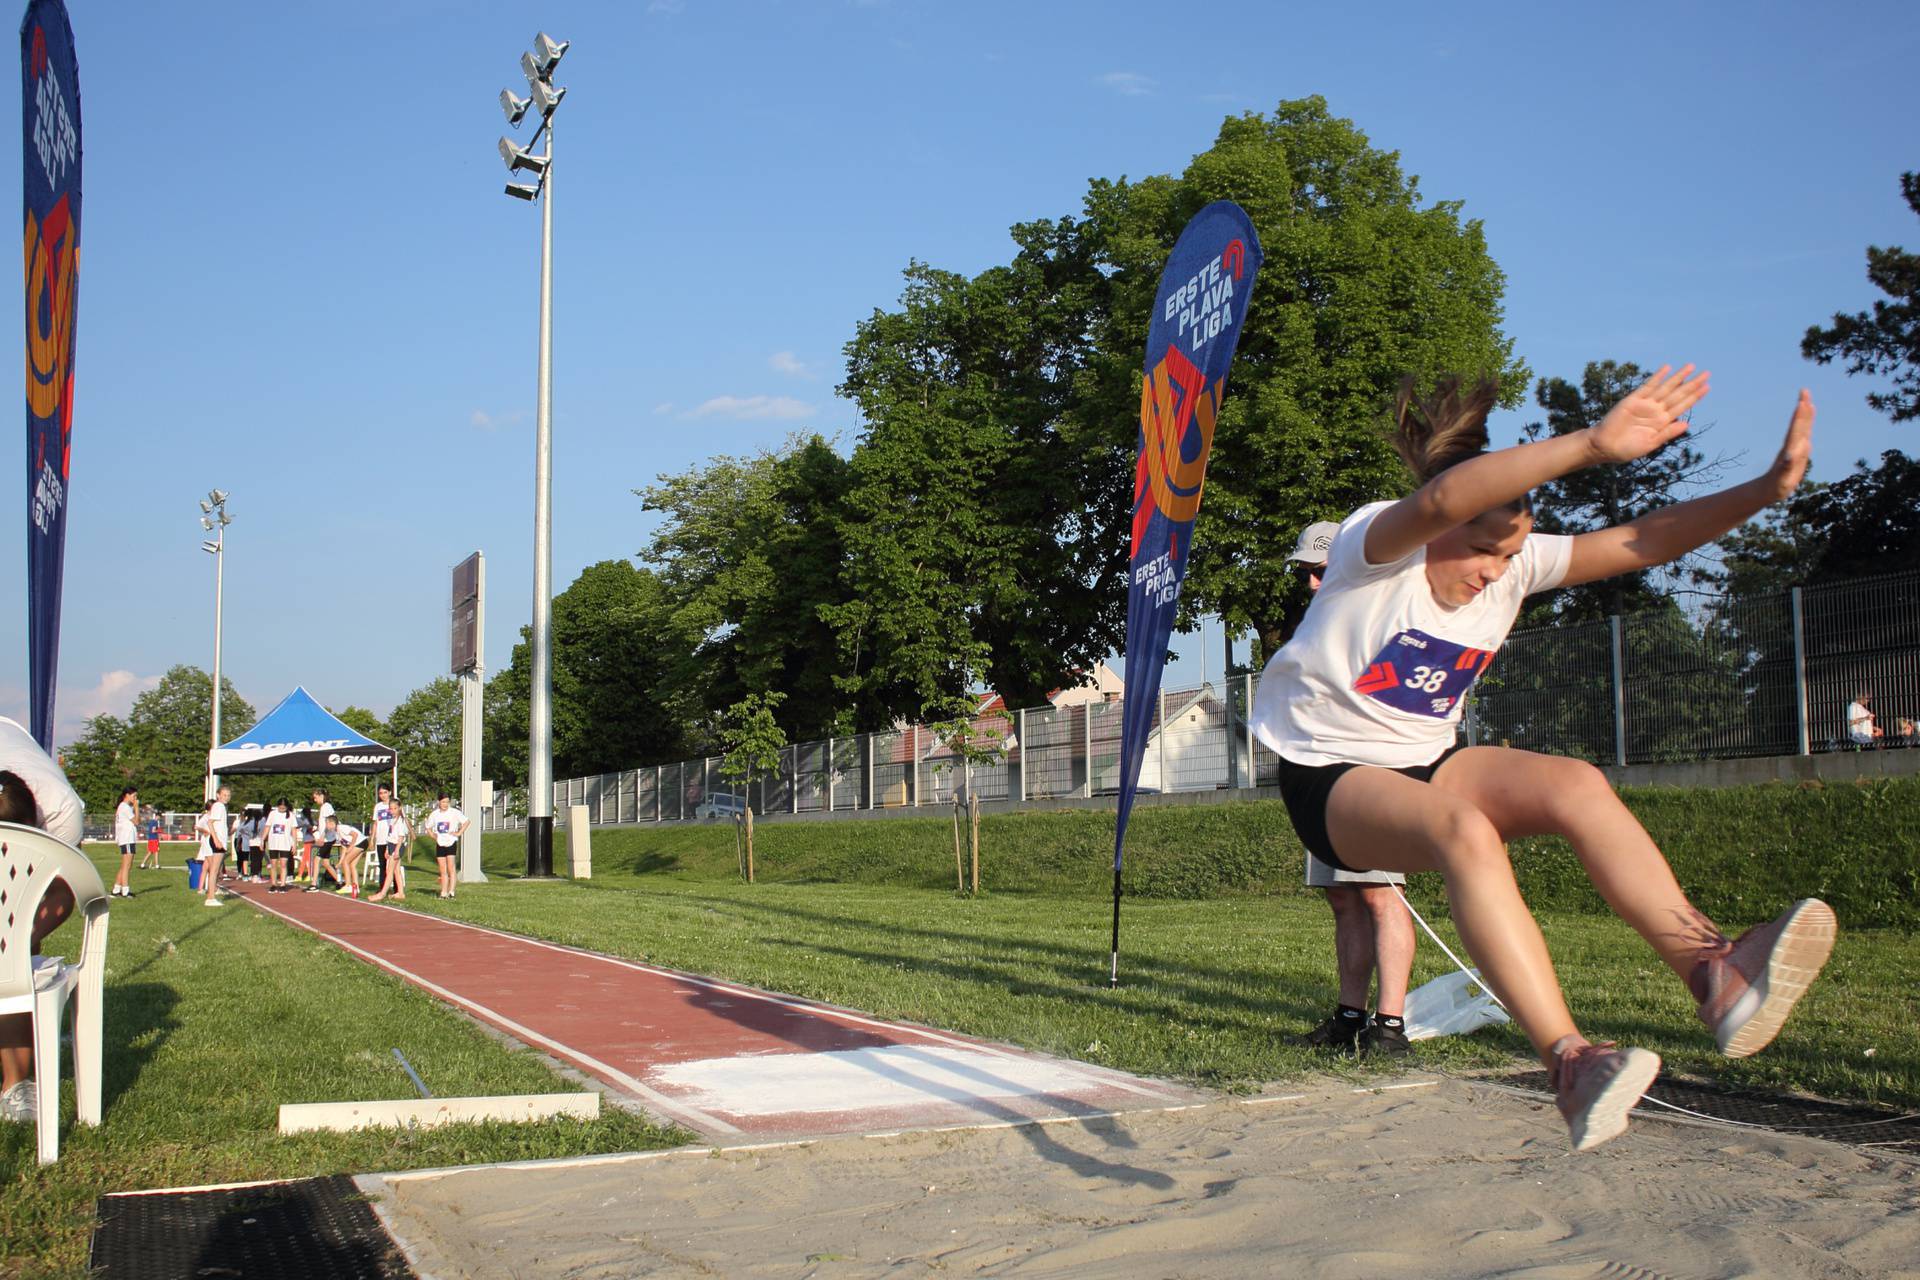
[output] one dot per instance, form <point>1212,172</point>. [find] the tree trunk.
<point>749,822</point>
<point>739,846</point>
<point>973,813</point>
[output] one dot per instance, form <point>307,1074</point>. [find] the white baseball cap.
<point>1315,540</point>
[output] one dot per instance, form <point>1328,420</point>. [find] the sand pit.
<point>1452,1180</point>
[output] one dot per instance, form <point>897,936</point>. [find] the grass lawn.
<point>1212,990</point>
<point>216,1017</point>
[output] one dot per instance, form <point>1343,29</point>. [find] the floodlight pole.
<point>219,577</point>
<point>540,709</point>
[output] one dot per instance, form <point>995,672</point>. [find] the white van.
<point>721,804</point>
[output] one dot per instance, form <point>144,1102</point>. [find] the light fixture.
<point>514,107</point>
<point>547,52</point>
<point>518,158</point>
<point>206,523</point>
<point>219,496</point>
<point>211,548</point>
<point>546,97</point>
<point>530,67</point>
<point>523,190</point>
<point>205,506</point>
<point>225,519</point>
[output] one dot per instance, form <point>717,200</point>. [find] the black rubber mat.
<point>1851,1123</point>
<point>317,1227</point>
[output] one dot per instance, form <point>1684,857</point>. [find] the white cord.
<point>1459,964</point>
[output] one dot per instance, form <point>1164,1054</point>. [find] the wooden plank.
<point>427,1113</point>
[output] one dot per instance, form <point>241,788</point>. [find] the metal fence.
<point>1755,676</point>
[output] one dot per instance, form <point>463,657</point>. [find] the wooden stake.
<point>973,812</point>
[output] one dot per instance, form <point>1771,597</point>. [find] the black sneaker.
<point>1341,1035</point>
<point>1384,1041</point>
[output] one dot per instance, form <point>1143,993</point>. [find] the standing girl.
<point>126,834</point>
<point>447,824</point>
<point>399,836</point>
<point>1362,703</point>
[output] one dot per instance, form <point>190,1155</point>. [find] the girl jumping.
<point>1362,703</point>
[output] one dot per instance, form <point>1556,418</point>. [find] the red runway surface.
<point>724,1060</point>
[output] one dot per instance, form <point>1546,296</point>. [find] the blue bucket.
<point>193,874</point>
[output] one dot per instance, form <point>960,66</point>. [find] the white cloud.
<point>1129,84</point>
<point>112,696</point>
<point>745,408</point>
<point>484,421</point>
<point>665,406</point>
<point>788,363</point>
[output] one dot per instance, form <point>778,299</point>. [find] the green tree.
<point>1605,496</point>
<point>754,743</point>
<point>749,554</point>
<point>95,766</point>
<point>614,642</point>
<point>1863,524</point>
<point>1885,341</point>
<point>164,750</point>
<point>424,730</point>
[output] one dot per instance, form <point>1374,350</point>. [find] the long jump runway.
<point>730,1062</point>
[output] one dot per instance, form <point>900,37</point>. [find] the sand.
<point>1453,1179</point>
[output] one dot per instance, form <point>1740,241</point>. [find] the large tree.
<point>424,731</point>
<point>1604,496</point>
<point>614,642</point>
<point>750,556</point>
<point>1885,341</point>
<point>988,515</point>
<point>161,747</point>
<point>1862,524</point>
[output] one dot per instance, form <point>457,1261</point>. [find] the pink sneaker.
<point>1747,991</point>
<point>1596,1085</point>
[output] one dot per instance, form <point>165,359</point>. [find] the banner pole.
<point>1113,970</point>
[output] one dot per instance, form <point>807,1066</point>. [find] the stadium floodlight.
<point>225,519</point>
<point>211,548</point>
<point>519,158</point>
<point>205,522</point>
<point>205,506</point>
<point>530,68</point>
<point>547,52</point>
<point>514,107</point>
<point>523,190</point>
<point>546,97</point>
<point>219,496</point>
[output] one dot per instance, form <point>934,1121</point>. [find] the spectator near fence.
<point>1861,730</point>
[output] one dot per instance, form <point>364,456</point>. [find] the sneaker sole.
<point>1797,957</point>
<point>1606,1116</point>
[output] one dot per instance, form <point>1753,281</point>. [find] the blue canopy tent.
<point>301,736</point>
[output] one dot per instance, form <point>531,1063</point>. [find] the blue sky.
<point>301,282</point>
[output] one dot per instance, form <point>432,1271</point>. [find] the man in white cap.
<point>1372,931</point>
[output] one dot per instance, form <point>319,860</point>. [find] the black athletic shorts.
<point>126,850</point>
<point>1305,788</point>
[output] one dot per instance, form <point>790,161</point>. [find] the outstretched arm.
<point>1671,532</point>
<point>1647,417</point>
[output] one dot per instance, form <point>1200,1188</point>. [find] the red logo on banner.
<point>1380,675</point>
<point>1173,397</point>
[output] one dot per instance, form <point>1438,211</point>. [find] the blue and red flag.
<point>50,115</point>
<point>1198,314</point>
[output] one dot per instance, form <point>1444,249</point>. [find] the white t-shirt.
<point>124,831</point>
<point>382,822</point>
<point>280,831</point>
<point>347,835</point>
<point>321,834</point>
<point>1378,671</point>
<point>445,825</point>
<point>61,815</point>
<point>216,827</point>
<point>397,830</point>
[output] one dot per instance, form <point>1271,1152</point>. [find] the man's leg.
<point>1353,943</point>
<point>1391,931</point>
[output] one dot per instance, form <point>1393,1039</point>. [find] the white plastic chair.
<point>30,861</point>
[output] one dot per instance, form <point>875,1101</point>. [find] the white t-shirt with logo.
<point>1378,671</point>
<point>397,830</point>
<point>321,834</point>
<point>445,825</point>
<point>382,822</point>
<point>347,835</point>
<point>124,831</point>
<point>280,832</point>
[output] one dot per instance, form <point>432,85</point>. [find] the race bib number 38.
<point>1422,674</point>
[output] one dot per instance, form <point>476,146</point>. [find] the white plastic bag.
<point>1451,1006</point>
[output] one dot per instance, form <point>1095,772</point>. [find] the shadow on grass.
<point>137,1018</point>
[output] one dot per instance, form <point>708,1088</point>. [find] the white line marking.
<point>699,1119</point>
<point>1118,1080</point>
<point>1387,1088</point>
<point>211,1186</point>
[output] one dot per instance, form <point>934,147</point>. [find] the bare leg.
<point>126,870</point>
<point>16,1029</point>
<point>1353,945</point>
<point>1385,821</point>
<point>1526,794</point>
<point>1392,930</point>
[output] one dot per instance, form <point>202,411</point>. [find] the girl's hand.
<point>1649,416</point>
<point>1791,466</point>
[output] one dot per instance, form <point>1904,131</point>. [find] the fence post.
<point>1162,757</point>
<point>1086,788</point>
<point>1026,752</point>
<point>793,777</point>
<point>1619,692</point>
<point>1800,670</point>
<point>913,759</point>
<point>829,773</point>
<point>871,799</point>
<point>659,805</point>
<point>1253,773</point>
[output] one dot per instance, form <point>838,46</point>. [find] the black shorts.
<point>446,850</point>
<point>126,850</point>
<point>1305,788</point>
